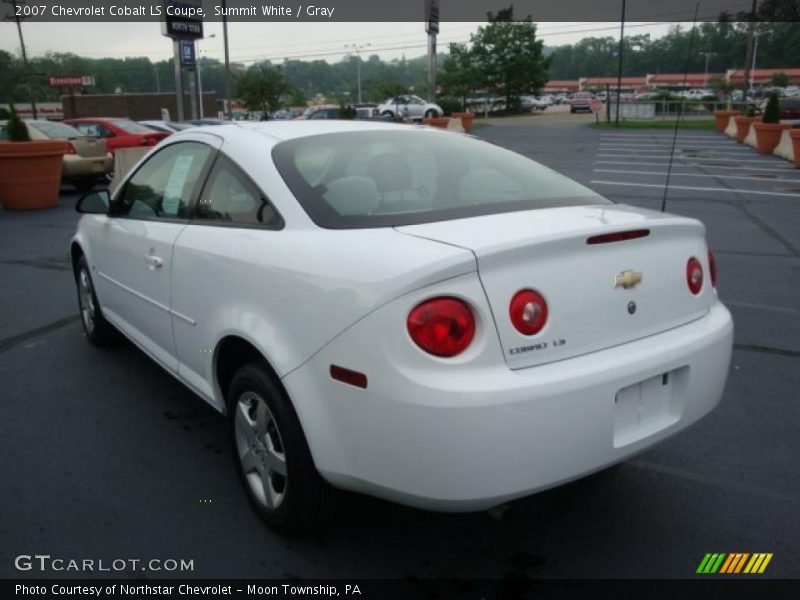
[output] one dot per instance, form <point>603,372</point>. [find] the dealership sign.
<point>71,80</point>
<point>180,27</point>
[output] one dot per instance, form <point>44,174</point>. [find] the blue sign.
<point>187,54</point>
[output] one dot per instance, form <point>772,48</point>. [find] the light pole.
<point>200,77</point>
<point>755,52</point>
<point>357,49</point>
<point>707,55</point>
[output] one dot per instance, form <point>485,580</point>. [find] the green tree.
<point>261,87</point>
<point>779,79</point>
<point>508,57</point>
<point>459,74</point>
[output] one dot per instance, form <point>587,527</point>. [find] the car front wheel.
<point>271,453</point>
<point>98,331</point>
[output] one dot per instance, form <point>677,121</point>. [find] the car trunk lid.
<point>89,147</point>
<point>593,298</point>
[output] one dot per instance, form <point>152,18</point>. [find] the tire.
<point>271,453</point>
<point>431,113</point>
<point>84,184</point>
<point>388,113</point>
<point>98,331</point>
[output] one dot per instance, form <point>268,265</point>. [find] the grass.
<point>704,124</point>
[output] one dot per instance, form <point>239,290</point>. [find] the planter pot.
<point>30,174</point>
<point>795,135</point>
<point>466,120</point>
<point>768,135</point>
<point>437,122</point>
<point>721,118</point>
<point>743,126</point>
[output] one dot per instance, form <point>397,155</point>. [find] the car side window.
<point>164,186</point>
<point>230,197</point>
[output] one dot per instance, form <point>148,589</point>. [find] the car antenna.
<point>680,108</point>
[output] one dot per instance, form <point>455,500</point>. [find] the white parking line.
<point>666,144</point>
<point>787,169</point>
<point>694,189</point>
<point>645,136</point>
<point>682,151</point>
<point>683,174</point>
<point>760,162</point>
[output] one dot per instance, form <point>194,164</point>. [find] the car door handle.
<point>154,262</point>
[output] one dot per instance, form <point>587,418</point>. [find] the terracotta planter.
<point>795,135</point>
<point>768,135</point>
<point>30,174</point>
<point>437,122</point>
<point>721,118</point>
<point>743,126</point>
<point>466,120</point>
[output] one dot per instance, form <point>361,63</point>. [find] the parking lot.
<point>106,456</point>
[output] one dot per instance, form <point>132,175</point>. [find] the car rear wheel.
<point>271,453</point>
<point>98,331</point>
<point>84,184</point>
<point>431,113</point>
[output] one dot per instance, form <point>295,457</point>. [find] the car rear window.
<point>389,178</point>
<point>57,131</point>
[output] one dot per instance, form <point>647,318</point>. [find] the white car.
<point>532,103</point>
<point>696,94</point>
<point>409,107</point>
<point>404,312</point>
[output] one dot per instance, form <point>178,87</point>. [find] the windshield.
<point>403,177</point>
<point>56,130</point>
<point>130,126</point>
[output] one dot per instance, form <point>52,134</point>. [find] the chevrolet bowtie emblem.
<point>628,279</point>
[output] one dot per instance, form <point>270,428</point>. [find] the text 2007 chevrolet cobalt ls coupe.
<point>402,311</point>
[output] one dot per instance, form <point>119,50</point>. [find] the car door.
<point>416,107</point>
<point>132,249</point>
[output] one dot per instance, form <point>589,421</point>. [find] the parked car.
<point>789,108</point>
<point>532,103</point>
<point>393,311</point>
<point>166,126</point>
<point>86,159</point>
<point>321,111</point>
<point>696,94</point>
<point>118,133</point>
<point>582,101</point>
<point>409,107</point>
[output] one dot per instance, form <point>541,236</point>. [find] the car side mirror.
<point>94,203</point>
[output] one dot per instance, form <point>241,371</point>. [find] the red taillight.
<point>694,275</point>
<point>70,149</point>
<point>712,268</point>
<point>442,326</point>
<point>528,312</point>
<point>617,236</point>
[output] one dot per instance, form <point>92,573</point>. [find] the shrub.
<point>772,111</point>
<point>449,105</point>
<point>16,130</point>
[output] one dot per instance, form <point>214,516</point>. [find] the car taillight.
<point>528,312</point>
<point>442,326</point>
<point>712,268</point>
<point>694,275</point>
<point>71,149</point>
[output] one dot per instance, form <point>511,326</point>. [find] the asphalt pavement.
<point>106,456</point>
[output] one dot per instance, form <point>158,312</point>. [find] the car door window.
<point>229,197</point>
<point>164,186</point>
<point>94,129</point>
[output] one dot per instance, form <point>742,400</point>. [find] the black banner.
<point>416,589</point>
<point>383,10</point>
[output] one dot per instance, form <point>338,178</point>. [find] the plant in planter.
<point>30,171</point>
<point>768,132</point>
<point>743,123</point>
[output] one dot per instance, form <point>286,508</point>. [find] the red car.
<point>789,108</point>
<point>118,133</point>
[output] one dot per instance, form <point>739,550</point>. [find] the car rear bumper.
<point>427,440</point>
<point>83,166</point>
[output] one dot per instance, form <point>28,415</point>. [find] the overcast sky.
<point>250,42</point>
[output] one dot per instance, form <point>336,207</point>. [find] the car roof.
<point>287,130</point>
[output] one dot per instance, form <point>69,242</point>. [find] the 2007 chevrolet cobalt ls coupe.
<point>403,311</point>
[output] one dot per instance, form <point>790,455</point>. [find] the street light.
<point>357,49</point>
<point>200,78</point>
<point>707,55</point>
<point>755,52</point>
